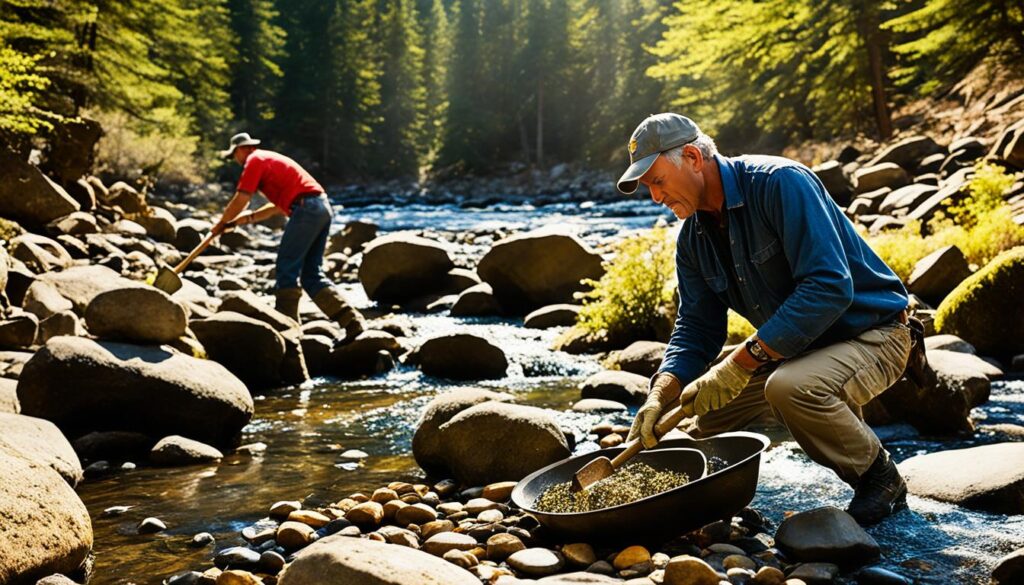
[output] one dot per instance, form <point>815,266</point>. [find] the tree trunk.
<point>874,40</point>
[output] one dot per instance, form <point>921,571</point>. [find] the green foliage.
<point>8,231</point>
<point>981,226</point>
<point>941,40</point>
<point>256,70</point>
<point>638,284</point>
<point>126,151</point>
<point>739,329</point>
<point>20,88</point>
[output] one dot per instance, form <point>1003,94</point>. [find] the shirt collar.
<point>733,197</point>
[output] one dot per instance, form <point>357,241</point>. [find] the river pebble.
<point>202,539</point>
<point>151,526</point>
<point>294,535</point>
<point>536,562</point>
<point>501,546</point>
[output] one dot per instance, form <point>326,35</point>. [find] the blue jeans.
<point>300,257</point>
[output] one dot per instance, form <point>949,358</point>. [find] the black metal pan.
<point>733,461</point>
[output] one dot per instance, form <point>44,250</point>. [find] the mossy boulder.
<point>985,308</point>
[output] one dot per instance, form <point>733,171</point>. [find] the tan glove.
<point>719,386</point>
<point>665,390</point>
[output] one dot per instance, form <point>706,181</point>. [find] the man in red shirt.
<point>295,193</point>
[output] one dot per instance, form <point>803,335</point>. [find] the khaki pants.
<point>818,396</point>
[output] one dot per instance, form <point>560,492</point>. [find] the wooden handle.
<point>199,250</point>
<point>665,424</point>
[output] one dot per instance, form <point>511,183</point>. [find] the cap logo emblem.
<point>632,146</point>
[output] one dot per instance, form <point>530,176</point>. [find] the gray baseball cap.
<point>652,137</point>
<point>240,139</point>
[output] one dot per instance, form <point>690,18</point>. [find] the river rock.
<point>43,300</point>
<point>826,534</point>
<point>237,557</point>
<point>908,152</point>
<point>119,386</point>
<point>938,273</point>
<point>74,224</point>
<point>961,382</point>
<point>1009,569</point>
<point>141,314</point>
<point>189,232</point>
<point>293,535</point>
<point>18,331</point>
<point>461,356</point>
<point>39,253</point>
<point>814,574</point>
<point>640,357</point>
<point>949,343</point>
<point>689,570</point>
<point>28,196</point>
<point>538,268</point>
<point>835,180</point>
<point>559,315</point>
<point>398,267</point>
<point>178,450</point>
<point>46,528</point>
<point>984,309</point>
<point>1010,144</point>
<point>615,385</point>
<point>874,177</point>
<point>40,441</point>
<point>415,514</point>
<point>898,201</point>
<point>339,560</point>
<point>316,351</point>
<point>366,514</point>
<point>159,224</point>
<point>9,396</point>
<point>579,554</point>
<point>990,477</point>
<point>477,300</point>
<point>248,348</point>
<point>536,562</point>
<point>248,303</point>
<point>113,445</point>
<point>501,546</point>
<point>359,358</point>
<point>880,576</point>
<point>352,237</point>
<point>80,284</point>
<point>427,448</point>
<point>598,405</point>
<point>527,437</point>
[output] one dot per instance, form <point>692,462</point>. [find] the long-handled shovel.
<point>602,467</point>
<point>167,278</point>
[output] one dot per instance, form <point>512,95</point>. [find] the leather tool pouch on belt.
<point>917,370</point>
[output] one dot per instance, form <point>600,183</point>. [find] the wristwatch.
<point>757,352</point>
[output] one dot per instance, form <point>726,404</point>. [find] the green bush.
<point>630,299</point>
<point>739,328</point>
<point>129,151</point>
<point>981,226</point>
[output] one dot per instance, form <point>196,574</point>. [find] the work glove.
<point>719,386</point>
<point>665,389</point>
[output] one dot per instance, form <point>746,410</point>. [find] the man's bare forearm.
<point>257,215</point>
<point>234,207</point>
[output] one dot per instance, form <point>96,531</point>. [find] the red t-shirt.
<point>278,177</point>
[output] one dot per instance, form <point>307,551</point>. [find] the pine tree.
<point>402,91</point>
<point>436,63</point>
<point>256,72</point>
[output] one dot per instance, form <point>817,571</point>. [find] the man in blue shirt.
<point>761,235</point>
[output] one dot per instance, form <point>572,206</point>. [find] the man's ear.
<point>696,157</point>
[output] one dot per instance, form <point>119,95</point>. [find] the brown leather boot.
<point>337,309</point>
<point>287,302</point>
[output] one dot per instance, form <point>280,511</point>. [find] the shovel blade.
<point>592,473</point>
<point>167,280</point>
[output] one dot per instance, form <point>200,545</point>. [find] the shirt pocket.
<point>771,265</point>
<point>717,283</point>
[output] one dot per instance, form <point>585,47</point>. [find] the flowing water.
<point>307,428</point>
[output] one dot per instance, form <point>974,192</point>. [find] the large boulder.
<point>935,275</point>
<point>250,304</point>
<point>961,382</point>
<point>495,441</point>
<point>906,198</point>
<point>126,197</point>
<point>120,386</point>
<point>427,448</point>
<point>343,560</point>
<point>909,152</point>
<point>43,300</point>
<point>40,441</point>
<point>538,268</point>
<point>247,347</point>
<point>79,284</point>
<point>826,535</point>
<point>28,196</point>
<point>559,315</point>
<point>624,387</point>
<point>159,224</point>
<point>361,356</point>
<point>1009,569</point>
<point>72,149</point>
<point>835,180</point>
<point>875,177</point>
<point>989,478</point>
<point>18,331</point>
<point>140,314</point>
<point>640,357</point>
<point>985,310</point>
<point>460,356</point>
<point>46,528</point>
<point>399,267</point>
<point>39,253</point>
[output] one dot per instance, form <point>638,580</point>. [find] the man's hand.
<point>719,385</point>
<point>665,390</point>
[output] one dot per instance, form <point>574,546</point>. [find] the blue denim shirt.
<point>803,276</point>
